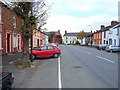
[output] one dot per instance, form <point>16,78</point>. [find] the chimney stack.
<point>102,26</point>
<point>59,31</point>
<point>114,22</point>
<point>65,31</point>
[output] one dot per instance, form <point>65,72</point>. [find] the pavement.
<point>20,75</point>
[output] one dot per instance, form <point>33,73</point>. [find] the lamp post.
<point>90,34</point>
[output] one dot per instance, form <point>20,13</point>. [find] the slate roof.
<point>53,32</point>
<point>89,34</point>
<point>106,28</point>
<point>70,34</point>
<point>117,26</point>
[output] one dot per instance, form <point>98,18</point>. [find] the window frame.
<point>0,40</point>
<point>14,40</point>
<point>0,14</point>
<point>53,48</point>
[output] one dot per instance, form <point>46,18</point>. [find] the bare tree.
<point>34,15</point>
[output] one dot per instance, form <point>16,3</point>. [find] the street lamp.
<point>90,34</point>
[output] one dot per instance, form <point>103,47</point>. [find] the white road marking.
<point>59,74</point>
<point>105,59</point>
<point>87,52</point>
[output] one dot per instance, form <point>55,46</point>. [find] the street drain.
<point>77,67</point>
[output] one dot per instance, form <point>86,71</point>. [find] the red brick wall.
<point>7,26</point>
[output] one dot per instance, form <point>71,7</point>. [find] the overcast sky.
<point>77,15</point>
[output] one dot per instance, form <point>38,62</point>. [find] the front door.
<point>8,42</point>
<point>18,43</point>
<point>37,42</point>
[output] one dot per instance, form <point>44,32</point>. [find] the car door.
<point>51,50</point>
<point>42,52</point>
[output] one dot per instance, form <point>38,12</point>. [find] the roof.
<point>89,34</point>
<point>70,34</point>
<point>51,32</point>
<point>106,28</point>
<point>117,26</point>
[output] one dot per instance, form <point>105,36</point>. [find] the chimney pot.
<point>102,26</point>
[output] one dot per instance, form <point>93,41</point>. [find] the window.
<point>35,40</point>
<point>118,31</point>
<point>114,41</point>
<point>104,42</point>
<point>0,40</point>
<point>14,21</point>
<point>104,34</point>
<point>110,41</point>
<point>0,14</point>
<point>43,48</point>
<point>66,41</point>
<point>50,48</point>
<point>110,31</point>
<point>14,40</point>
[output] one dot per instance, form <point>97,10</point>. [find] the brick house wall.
<point>9,31</point>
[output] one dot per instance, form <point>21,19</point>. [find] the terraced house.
<point>10,38</point>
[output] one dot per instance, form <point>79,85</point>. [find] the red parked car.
<point>48,50</point>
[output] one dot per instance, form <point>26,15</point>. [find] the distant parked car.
<point>6,80</point>
<point>112,48</point>
<point>101,47</point>
<point>96,46</point>
<point>48,50</point>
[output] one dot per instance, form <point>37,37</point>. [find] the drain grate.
<point>77,67</point>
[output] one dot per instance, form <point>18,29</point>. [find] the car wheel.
<point>33,56</point>
<point>111,51</point>
<point>56,55</point>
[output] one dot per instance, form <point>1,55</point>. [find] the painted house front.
<point>113,36</point>
<point>38,38</point>
<point>97,38</point>
<point>70,38</point>
<point>106,33</point>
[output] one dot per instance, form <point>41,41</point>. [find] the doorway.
<point>18,47</point>
<point>8,42</point>
<point>37,42</point>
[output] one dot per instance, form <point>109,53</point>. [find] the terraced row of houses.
<point>10,36</point>
<point>109,35</point>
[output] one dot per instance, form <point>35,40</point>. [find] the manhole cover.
<point>77,67</point>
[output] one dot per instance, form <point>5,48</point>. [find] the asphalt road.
<point>77,67</point>
<point>84,67</point>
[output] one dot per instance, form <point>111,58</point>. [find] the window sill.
<point>1,22</point>
<point>1,48</point>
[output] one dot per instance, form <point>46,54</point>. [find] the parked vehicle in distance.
<point>6,80</point>
<point>112,48</point>
<point>48,50</point>
<point>101,47</point>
